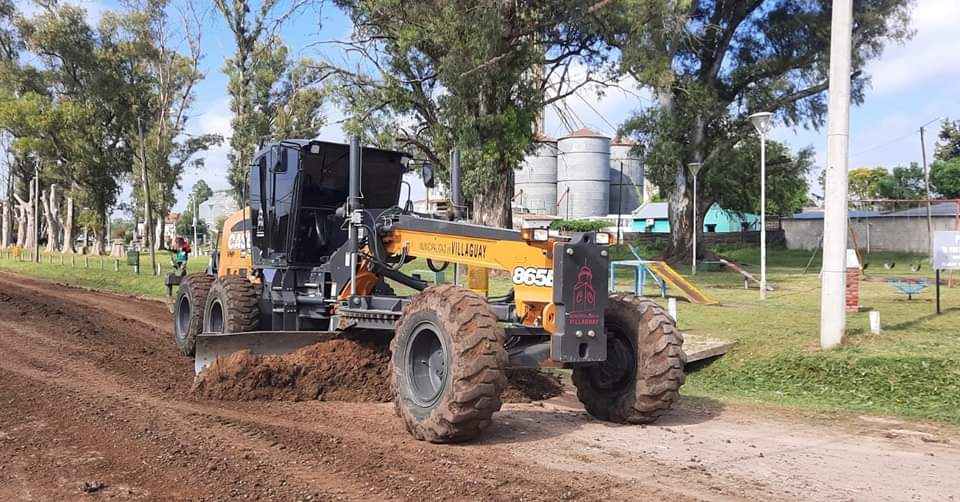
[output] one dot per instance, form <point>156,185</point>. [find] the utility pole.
<point>833,309</point>
<point>926,183</point>
<point>147,216</point>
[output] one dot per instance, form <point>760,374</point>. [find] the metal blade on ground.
<point>210,346</point>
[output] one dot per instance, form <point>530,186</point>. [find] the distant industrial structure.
<point>582,175</point>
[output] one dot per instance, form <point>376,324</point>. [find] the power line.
<point>894,140</point>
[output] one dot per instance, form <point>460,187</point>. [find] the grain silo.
<point>627,184</point>
<point>583,175</point>
<point>535,183</point>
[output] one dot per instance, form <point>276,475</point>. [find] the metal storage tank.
<point>583,175</point>
<point>537,179</point>
<point>631,177</point>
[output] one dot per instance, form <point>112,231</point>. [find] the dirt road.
<point>95,403</point>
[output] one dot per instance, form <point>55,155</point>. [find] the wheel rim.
<point>426,365</point>
<point>215,323</point>
<point>183,316</point>
<point>618,370</point>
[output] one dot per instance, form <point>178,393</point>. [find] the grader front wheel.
<point>448,365</point>
<point>643,373</point>
<point>188,310</point>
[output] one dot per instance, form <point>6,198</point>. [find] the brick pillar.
<point>853,289</point>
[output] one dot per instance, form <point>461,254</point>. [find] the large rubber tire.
<point>643,373</point>
<point>231,306</point>
<point>448,365</point>
<point>188,310</point>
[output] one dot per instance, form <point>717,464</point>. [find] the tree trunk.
<point>492,207</point>
<point>6,224</point>
<point>21,226</point>
<point>51,212</point>
<point>27,234</point>
<point>159,240</point>
<point>68,224</point>
<point>680,247</point>
<point>99,240</point>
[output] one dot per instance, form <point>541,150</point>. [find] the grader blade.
<point>210,346</point>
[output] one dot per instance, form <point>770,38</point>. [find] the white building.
<point>220,204</point>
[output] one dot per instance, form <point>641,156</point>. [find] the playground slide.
<point>672,278</point>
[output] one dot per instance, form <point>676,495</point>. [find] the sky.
<point>912,84</point>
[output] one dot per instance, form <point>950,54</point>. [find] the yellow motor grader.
<point>322,243</point>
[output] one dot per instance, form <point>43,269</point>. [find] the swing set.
<point>888,208</point>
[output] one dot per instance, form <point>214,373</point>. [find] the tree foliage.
<point>864,182</point>
<point>903,182</point>
<point>439,74</point>
<point>945,178</point>
<point>948,141</point>
<point>713,63</point>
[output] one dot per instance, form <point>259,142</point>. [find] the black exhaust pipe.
<point>353,204</point>
<point>455,192</point>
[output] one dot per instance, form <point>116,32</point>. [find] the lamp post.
<point>761,122</point>
<point>694,168</point>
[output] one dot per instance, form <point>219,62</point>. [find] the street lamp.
<point>694,168</point>
<point>761,122</point>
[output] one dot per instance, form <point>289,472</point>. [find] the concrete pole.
<point>694,168</point>
<point>926,184</point>
<point>833,313</point>
<point>763,215</point>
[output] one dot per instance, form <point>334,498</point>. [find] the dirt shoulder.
<point>95,401</point>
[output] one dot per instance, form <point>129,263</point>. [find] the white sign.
<point>946,250</point>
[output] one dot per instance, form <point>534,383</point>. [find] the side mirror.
<point>427,173</point>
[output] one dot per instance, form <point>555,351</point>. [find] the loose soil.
<point>96,403</point>
<point>334,370</point>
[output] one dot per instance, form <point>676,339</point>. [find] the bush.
<point>579,225</point>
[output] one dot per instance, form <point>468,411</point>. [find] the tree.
<point>948,142</point>
<point>738,187</point>
<point>75,108</point>
<point>424,86</point>
<point>185,224</point>
<point>199,194</point>
<point>864,182</point>
<point>167,57</point>
<point>710,64</point>
<point>271,96</point>
<point>902,183</point>
<point>945,177</point>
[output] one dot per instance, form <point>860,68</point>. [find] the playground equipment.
<point>663,275</point>
<point>908,287</point>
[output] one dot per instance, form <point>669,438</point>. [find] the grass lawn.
<point>99,271</point>
<point>910,370</point>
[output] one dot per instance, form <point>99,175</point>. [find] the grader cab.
<point>322,244</point>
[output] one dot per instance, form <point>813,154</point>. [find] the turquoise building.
<point>653,217</point>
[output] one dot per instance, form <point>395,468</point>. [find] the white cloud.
<point>931,54</point>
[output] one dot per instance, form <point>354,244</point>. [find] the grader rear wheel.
<point>643,373</point>
<point>188,310</point>
<point>231,306</point>
<point>448,365</point>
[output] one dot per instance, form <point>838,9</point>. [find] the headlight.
<point>536,234</point>
<point>603,238</point>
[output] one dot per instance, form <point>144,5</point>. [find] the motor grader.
<point>322,243</point>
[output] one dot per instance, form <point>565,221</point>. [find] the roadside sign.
<point>946,250</point>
